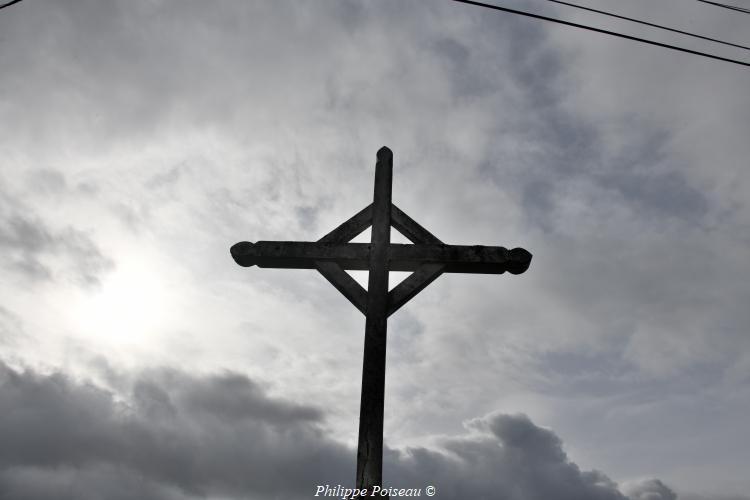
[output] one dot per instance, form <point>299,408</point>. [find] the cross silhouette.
<point>427,257</point>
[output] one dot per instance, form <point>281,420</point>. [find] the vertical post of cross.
<point>370,447</point>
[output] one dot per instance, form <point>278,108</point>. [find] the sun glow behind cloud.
<point>130,307</point>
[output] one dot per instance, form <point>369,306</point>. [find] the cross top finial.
<point>385,154</point>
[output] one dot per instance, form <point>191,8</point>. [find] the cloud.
<point>10,326</point>
<point>505,456</point>
<point>46,180</point>
<point>164,179</point>
<point>193,436</point>
<point>649,489</point>
<point>39,252</point>
<point>83,483</point>
<point>690,496</point>
<point>169,435</point>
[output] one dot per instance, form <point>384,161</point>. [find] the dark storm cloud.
<point>636,174</point>
<point>650,489</point>
<point>93,482</point>
<point>175,436</point>
<point>562,149</point>
<point>231,397</point>
<point>508,457</point>
<point>547,150</point>
<point>36,251</point>
<point>637,230</point>
<point>182,436</point>
<point>689,496</point>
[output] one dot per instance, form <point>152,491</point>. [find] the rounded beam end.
<point>519,260</point>
<point>243,253</point>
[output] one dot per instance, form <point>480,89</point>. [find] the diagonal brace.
<point>410,228</point>
<point>344,283</point>
<point>333,271</point>
<point>350,228</point>
<point>411,286</point>
<point>425,274</point>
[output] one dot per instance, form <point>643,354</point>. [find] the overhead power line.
<point>730,7</point>
<point>598,30</point>
<point>649,24</point>
<point>9,4</point>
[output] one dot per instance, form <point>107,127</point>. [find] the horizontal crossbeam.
<point>355,256</point>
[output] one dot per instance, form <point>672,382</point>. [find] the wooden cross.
<point>427,258</point>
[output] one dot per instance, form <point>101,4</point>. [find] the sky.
<point>140,140</point>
